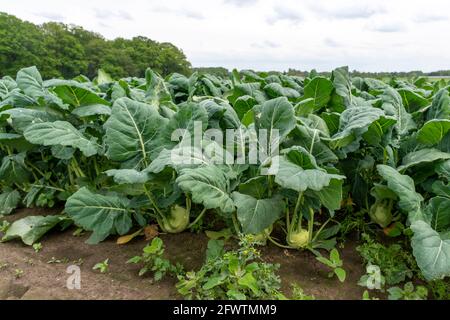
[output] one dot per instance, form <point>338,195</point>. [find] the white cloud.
<point>105,14</point>
<point>51,16</point>
<point>269,34</point>
<point>388,27</point>
<point>430,18</point>
<point>179,12</point>
<point>281,13</point>
<point>346,11</point>
<point>241,3</point>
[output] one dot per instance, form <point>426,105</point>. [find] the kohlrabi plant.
<point>283,158</point>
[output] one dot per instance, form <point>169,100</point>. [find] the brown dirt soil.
<point>44,280</point>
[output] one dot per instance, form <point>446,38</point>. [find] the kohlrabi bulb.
<point>381,213</point>
<point>263,236</point>
<point>177,222</point>
<point>298,239</point>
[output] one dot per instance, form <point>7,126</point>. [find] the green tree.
<point>61,50</point>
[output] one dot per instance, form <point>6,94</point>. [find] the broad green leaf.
<point>438,213</point>
<point>60,133</point>
<point>309,139</point>
<point>62,152</point>
<point>178,158</point>
<point>331,195</point>
<point>422,156</point>
<point>319,89</point>
<point>443,169</point>
<point>353,124</point>
<point>393,106</point>
<point>22,117</point>
<point>31,228</point>
<point>378,129</point>
<point>440,107</point>
<point>413,101</point>
<point>128,176</point>
<point>301,157</point>
<point>290,82</point>
<point>79,96</point>
<point>243,104</point>
<point>444,145</point>
<point>14,170</point>
<point>433,131</point>
<point>256,187</point>
<point>7,84</point>
<point>221,115</point>
<point>103,77</point>
<point>410,201</point>
<point>209,186</point>
<point>29,80</point>
<point>254,214</point>
<point>102,214</point>
<point>375,84</point>
<point>431,251</point>
<point>131,132</point>
<point>305,107</point>
<point>315,122</point>
<point>275,90</point>
<point>343,85</point>
<point>187,124</point>
<point>252,89</point>
<point>277,114</point>
<point>332,120</point>
<point>92,110</point>
<point>292,176</point>
<point>9,200</point>
<point>157,92</point>
<point>17,99</point>
<point>441,189</point>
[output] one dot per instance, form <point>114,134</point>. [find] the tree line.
<point>61,50</point>
<point>381,74</point>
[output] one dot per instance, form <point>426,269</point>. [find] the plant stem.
<point>96,167</point>
<point>49,187</point>
<point>197,219</point>
<point>152,200</point>
<point>69,170</point>
<point>18,186</point>
<point>288,221</point>
<point>77,168</point>
<point>297,206</point>
<point>188,204</point>
<point>310,224</point>
<point>270,182</point>
<point>311,148</point>
<point>278,244</point>
<point>28,163</point>
<point>320,230</point>
<point>236,224</point>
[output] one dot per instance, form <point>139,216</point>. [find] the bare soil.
<point>44,273</point>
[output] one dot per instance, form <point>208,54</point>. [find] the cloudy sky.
<point>394,35</point>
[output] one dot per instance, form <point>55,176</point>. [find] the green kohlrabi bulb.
<point>298,239</point>
<point>381,213</point>
<point>177,222</point>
